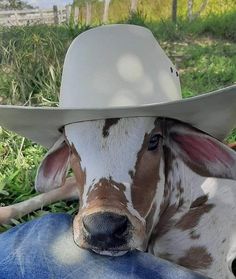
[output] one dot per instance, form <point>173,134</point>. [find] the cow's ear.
<point>54,167</point>
<point>202,153</point>
<point>232,145</point>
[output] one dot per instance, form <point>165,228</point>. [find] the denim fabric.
<point>44,249</point>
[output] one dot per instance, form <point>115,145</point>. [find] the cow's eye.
<point>154,141</point>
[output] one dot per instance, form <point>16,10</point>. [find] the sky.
<point>48,3</point>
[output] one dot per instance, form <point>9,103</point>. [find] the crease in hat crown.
<point>116,66</point>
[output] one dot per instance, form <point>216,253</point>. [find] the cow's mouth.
<point>110,252</point>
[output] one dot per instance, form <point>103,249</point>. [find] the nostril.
<point>122,228</point>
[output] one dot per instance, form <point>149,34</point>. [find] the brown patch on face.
<point>146,175</point>
<point>108,123</point>
<point>108,195</point>
<point>193,216</point>
<point>80,174</point>
<point>196,258</point>
<point>199,201</point>
<point>106,192</point>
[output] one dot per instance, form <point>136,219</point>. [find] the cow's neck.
<point>182,188</point>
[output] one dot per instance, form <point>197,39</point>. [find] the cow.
<point>149,183</point>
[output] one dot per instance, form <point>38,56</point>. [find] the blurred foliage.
<point>156,10</point>
<point>215,26</point>
<point>14,5</point>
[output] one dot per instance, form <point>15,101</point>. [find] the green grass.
<point>31,60</point>
<point>220,27</point>
<point>206,66</point>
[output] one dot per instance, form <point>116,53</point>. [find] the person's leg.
<point>44,249</point>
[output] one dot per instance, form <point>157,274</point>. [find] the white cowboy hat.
<point>120,71</point>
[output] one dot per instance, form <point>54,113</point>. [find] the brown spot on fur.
<point>199,201</point>
<point>193,216</point>
<point>146,176</point>
<point>196,258</point>
<point>108,123</point>
<point>165,222</point>
<point>104,193</point>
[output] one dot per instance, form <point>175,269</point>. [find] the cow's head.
<point>121,167</point>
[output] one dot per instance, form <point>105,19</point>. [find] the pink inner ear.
<point>201,149</point>
<point>55,162</point>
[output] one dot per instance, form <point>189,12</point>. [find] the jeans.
<point>44,249</point>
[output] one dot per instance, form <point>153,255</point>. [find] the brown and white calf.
<point>152,184</point>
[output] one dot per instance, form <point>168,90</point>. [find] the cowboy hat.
<point>120,71</point>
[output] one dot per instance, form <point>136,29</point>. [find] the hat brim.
<point>213,113</point>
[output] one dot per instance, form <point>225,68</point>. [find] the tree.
<point>191,15</point>
<point>88,7</point>
<point>14,5</point>
<point>106,11</point>
<point>88,12</point>
<point>174,10</point>
<point>134,6</point>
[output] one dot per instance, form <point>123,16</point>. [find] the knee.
<point>53,223</point>
<point>55,218</point>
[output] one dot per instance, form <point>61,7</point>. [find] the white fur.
<point>112,156</point>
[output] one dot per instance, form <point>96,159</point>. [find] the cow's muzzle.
<point>106,231</point>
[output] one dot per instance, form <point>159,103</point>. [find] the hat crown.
<point>116,66</point>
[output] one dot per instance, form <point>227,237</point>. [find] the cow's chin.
<point>110,253</point>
